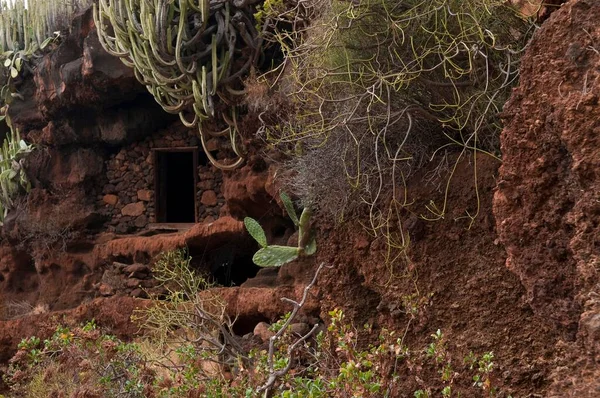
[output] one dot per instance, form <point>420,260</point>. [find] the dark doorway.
<point>175,185</point>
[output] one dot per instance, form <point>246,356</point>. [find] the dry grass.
<point>52,381</point>
<point>20,309</point>
<point>49,230</point>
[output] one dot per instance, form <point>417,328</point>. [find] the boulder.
<point>261,330</point>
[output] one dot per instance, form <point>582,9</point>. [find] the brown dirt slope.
<point>456,277</point>
<point>547,206</point>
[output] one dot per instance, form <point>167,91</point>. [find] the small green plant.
<point>77,360</point>
<point>12,174</point>
<point>29,343</point>
<point>188,314</point>
<point>275,255</point>
<point>485,366</point>
<point>332,364</point>
<point>266,10</point>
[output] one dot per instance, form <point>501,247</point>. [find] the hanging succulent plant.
<point>191,55</point>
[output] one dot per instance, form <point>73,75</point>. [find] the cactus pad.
<point>311,246</point>
<point>275,256</point>
<point>256,231</point>
<point>289,207</point>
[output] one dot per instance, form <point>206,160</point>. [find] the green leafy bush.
<point>333,365</point>
<point>77,361</point>
<point>13,177</point>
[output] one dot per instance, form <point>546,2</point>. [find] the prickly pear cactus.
<point>289,207</point>
<point>304,227</point>
<point>275,256</point>
<point>256,231</point>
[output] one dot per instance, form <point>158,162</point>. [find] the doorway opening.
<point>175,180</point>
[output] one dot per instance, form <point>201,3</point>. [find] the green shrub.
<point>13,177</point>
<point>82,360</point>
<point>188,314</point>
<point>333,365</point>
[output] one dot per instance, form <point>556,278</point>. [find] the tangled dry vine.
<point>380,88</point>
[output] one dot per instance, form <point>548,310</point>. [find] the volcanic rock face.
<point>547,205</point>
<point>95,129</point>
<point>79,104</point>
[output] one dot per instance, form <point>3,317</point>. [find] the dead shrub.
<point>377,89</point>
<point>20,309</point>
<point>49,221</point>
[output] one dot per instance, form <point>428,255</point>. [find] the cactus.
<point>191,55</point>
<point>12,173</point>
<point>274,255</point>
<point>256,231</point>
<point>289,207</point>
<point>310,247</point>
<point>26,28</point>
<point>30,25</point>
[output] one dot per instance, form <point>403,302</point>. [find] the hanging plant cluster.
<point>190,54</point>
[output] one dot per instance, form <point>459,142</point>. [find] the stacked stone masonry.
<point>127,198</point>
<point>134,280</point>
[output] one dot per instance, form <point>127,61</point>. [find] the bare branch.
<point>275,374</point>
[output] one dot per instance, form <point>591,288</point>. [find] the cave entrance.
<point>175,180</point>
<point>228,261</point>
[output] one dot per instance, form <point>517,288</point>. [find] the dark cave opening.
<point>236,272</point>
<point>246,324</point>
<point>175,181</point>
<point>232,265</point>
<point>229,264</point>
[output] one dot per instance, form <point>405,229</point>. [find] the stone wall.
<point>127,198</point>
